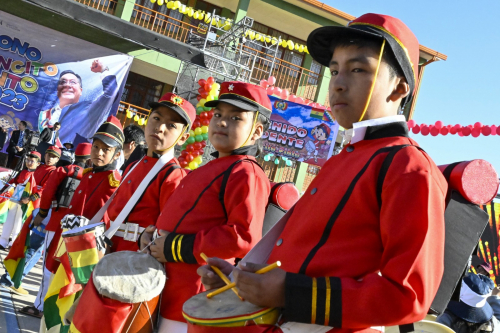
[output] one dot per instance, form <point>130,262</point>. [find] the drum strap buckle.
<point>132,228</point>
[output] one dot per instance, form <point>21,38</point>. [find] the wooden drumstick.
<point>232,285</point>
<point>220,274</point>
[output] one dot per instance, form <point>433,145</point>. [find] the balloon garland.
<point>192,151</point>
<point>272,89</point>
<point>439,128</point>
<point>254,35</point>
<point>135,117</point>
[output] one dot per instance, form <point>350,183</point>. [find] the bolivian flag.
<point>322,114</point>
<point>15,260</point>
<point>83,255</point>
<point>5,205</point>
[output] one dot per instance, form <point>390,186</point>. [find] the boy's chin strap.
<point>373,83</point>
<point>180,136</point>
<point>252,130</point>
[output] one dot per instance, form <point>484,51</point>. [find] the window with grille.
<point>140,90</point>
<point>316,70</point>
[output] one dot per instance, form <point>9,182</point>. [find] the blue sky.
<point>465,88</point>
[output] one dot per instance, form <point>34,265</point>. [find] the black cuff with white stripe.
<point>179,248</point>
<point>313,300</point>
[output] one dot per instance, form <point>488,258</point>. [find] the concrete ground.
<point>11,320</point>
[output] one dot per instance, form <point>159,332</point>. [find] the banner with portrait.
<point>300,132</point>
<point>47,77</point>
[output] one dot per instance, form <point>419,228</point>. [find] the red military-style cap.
<point>185,109</point>
<point>398,36</point>
<point>111,132</point>
<point>35,154</point>
<point>54,151</point>
<point>83,149</point>
<point>245,96</point>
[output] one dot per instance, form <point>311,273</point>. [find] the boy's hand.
<point>266,290</point>
<point>158,246</point>
<point>38,220</point>
<point>24,201</point>
<point>211,280</point>
<point>147,237</point>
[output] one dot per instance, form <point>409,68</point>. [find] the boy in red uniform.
<point>13,224</point>
<point>219,208</point>
<point>168,124</point>
<point>51,218</point>
<point>357,254</point>
<point>97,185</point>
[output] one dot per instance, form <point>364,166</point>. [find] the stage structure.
<point>226,58</point>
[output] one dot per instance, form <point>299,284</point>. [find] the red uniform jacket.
<point>147,209</point>
<point>361,264</point>
<point>195,218</point>
<point>21,177</point>
<point>94,190</point>
<point>50,191</point>
<point>42,175</point>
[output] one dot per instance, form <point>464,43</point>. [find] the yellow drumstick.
<point>232,285</point>
<point>220,274</point>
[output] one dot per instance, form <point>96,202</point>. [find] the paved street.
<point>12,321</point>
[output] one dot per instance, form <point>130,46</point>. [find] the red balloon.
<point>476,131</point>
<point>425,130</point>
<point>184,153</point>
<point>486,130</point>
<point>444,131</point>
<point>470,126</point>
<point>189,158</point>
<point>460,133</point>
<point>438,124</point>
<point>411,123</point>
<point>416,129</point>
<point>199,97</point>
<point>210,80</point>
<point>453,130</point>
<point>189,148</point>
<point>493,130</point>
<point>458,126</point>
<point>201,151</point>
<point>434,131</point>
<point>197,145</point>
<point>196,124</point>
<point>181,158</point>
<point>202,82</point>
<point>466,131</point>
<point>204,94</point>
<point>210,114</point>
<point>201,90</point>
<point>205,122</point>
<point>208,86</point>
<point>203,144</point>
<point>498,130</point>
<point>194,153</point>
<point>183,164</point>
<point>478,125</point>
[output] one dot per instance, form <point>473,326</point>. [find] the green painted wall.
<point>300,175</point>
<point>157,59</point>
<point>124,9</point>
<point>241,10</point>
<point>324,81</point>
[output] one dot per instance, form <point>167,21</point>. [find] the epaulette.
<point>113,182</point>
<point>87,170</point>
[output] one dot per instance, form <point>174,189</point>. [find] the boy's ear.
<point>117,154</point>
<point>183,139</point>
<point>259,130</point>
<point>401,90</point>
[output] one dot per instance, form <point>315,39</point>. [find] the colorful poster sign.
<point>300,132</point>
<point>47,77</point>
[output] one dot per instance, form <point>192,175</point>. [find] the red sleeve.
<point>38,192</point>
<point>412,233</point>
<point>245,208</point>
<point>168,186</point>
<point>51,186</point>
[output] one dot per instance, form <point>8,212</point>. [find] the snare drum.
<point>226,310</point>
<point>18,194</point>
<point>122,295</point>
<point>85,247</point>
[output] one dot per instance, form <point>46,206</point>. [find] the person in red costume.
<point>52,218</point>
<point>96,187</point>
<point>168,124</point>
<point>353,258</point>
<point>218,209</point>
<point>14,221</point>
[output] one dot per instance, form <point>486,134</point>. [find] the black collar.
<point>246,150</point>
<point>107,167</point>
<point>387,131</point>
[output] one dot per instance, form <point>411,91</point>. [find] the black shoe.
<point>2,248</point>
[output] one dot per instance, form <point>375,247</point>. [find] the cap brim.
<point>239,103</point>
<point>108,141</point>
<point>469,313</point>
<point>31,155</point>
<point>175,108</point>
